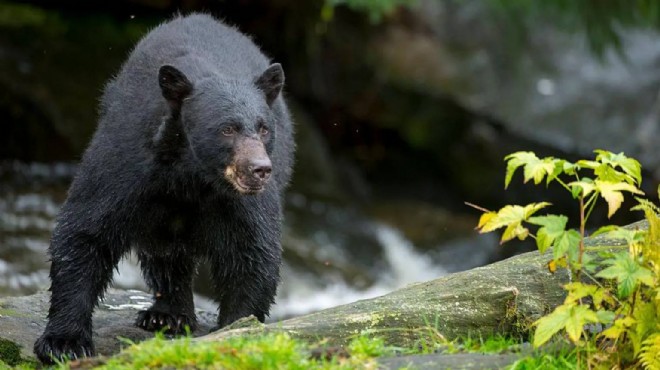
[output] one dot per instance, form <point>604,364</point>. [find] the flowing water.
<point>333,255</point>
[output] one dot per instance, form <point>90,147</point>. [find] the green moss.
<point>12,313</point>
<point>270,351</point>
<point>10,352</point>
<point>7,312</point>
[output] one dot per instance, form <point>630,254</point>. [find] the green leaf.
<point>567,243</point>
<point>569,317</point>
<point>553,234</point>
<point>631,237</point>
<point>585,186</point>
<point>604,230</point>
<point>561,166</point>
<point>605,317</point>
<point>552,227</point>
<point>590,263</point>
<point>627,272</point>
<point>605,172</point>
<point>629,165</point>
<point>577,291</point>
<point>569,168</point>
<point>583,163</point>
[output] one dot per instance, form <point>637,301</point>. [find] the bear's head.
<point>229,125</point>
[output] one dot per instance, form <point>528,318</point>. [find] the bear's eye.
<point>263,131</point>
<point>229,130</point>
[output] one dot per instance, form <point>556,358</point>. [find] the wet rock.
<point>23,319</point>
<point>454,361</point>
<point>548,85</point>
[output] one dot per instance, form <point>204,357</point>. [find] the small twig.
<point>476,207</point>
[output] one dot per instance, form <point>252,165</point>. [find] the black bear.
<point>192,153</point>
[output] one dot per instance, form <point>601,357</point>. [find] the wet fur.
<point>155,184</point>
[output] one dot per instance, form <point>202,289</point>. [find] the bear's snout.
<point>251,168</point>
<point>261,169</point>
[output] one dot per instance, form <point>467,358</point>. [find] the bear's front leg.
<point>246,282</point>
<point>81,269</point>
<point>170,279</point>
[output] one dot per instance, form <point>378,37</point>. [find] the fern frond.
<point>650,353</point>
<point>651,247</point>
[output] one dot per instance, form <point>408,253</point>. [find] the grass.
<point>281,351</point>
<point>270,351</point>
<point>567,359</point>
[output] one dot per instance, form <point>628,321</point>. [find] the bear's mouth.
<point>243,187</point>
<point>238,184</point>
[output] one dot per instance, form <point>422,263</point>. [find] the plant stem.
<point>582,226</point>
<point>590,204</point>
<point>600,285</point>
<point>563,184</point>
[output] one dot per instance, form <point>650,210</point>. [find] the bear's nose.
<point>261,168</point>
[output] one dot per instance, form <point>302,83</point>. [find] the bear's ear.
<point>174,85</point>
<point>271,82</point>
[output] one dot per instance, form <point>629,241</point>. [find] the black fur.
<point>153,179</point>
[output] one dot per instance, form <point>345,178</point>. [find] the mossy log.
<point>504,297</point>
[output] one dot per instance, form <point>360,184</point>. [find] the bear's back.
<point>132,105</point>
<point>224,48</point>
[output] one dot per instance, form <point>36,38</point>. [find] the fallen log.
<point>504,297</point>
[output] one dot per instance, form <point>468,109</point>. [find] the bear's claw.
<point>172,323</point>
<point>51,348</point>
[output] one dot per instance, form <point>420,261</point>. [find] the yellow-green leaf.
<point>583,187</point>
<point>579,316</point>
<point>569,317</point>
<point>508,215</point>
<point>629,165</point>
<point>612,193</point>
<point>486,218</point>
<point>534,168</point>
<point>577,291</point>
<point>619,327</point>
<point>514,231</point>
<point>515,160</point>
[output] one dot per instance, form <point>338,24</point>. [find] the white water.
<point>27,218</point>
<point>300,294</point>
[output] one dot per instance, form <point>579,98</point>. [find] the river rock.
<point>547,85</point>
<point>23,319</point>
